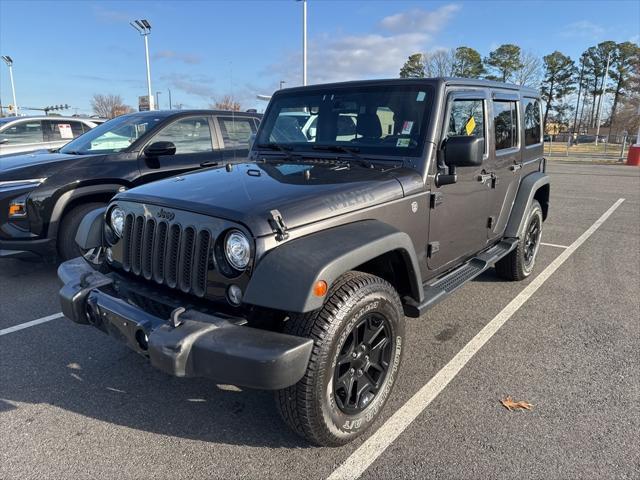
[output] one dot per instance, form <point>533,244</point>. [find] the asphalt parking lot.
<point>76,404</point>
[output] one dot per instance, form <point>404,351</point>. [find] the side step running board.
<point>438,289</point>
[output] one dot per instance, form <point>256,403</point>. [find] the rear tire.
<point>67,246</point>
<point>519,264</point>
<point>358,340</point>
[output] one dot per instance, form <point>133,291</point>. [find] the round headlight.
<point>116,220</point>
<point>237,249</point>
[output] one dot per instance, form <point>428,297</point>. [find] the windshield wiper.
<point>280,148</point>
<point>341,149</point>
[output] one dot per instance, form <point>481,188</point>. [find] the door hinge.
<point>490,222</point>
<point>436,199</point>
<point>432,248</point>
<point>277,223</point>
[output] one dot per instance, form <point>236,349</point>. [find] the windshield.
<point>379,120</point>
<point>113,136</point>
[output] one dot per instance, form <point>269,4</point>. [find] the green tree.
<point>624,58</point>
<point>558,81</point>
<point>467,63</point>
<point>596,63</point>
<point>413,67</point>
<point>504,61</point>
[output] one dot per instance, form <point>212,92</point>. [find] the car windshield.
<point>113,136</point>
<point>378,120</point>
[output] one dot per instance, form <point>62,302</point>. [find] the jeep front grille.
<point>167,253</point>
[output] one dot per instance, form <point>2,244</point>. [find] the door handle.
<point>515,167</point>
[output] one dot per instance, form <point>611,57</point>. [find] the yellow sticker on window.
<point>470,126</point>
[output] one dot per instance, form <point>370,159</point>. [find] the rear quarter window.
<point>532,127</point>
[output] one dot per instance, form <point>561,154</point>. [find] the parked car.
<point>27,134</point>
<point>294,271</point>
<point>43,196</point>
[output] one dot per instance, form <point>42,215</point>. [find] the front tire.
<point>519,264</point>
<point>67,246</point>
<point>358,343</point>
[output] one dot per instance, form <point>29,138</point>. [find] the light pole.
<point>304,42</point>
<point>143,27</point>
<point>282,82</point>
<point>169,90</point>
<point>158,100</point>
<point>9,61</point>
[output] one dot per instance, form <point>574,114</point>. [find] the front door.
<point>458,220</point>
<point>194,146</point>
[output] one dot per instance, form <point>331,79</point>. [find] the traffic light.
<point>56,107</point>
<point>12,108</point>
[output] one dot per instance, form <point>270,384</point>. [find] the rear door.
<point>504,160</point>
<point>58,133</point>
<point>457,222</point>
<point>235,133</point>
<point>194,142</point>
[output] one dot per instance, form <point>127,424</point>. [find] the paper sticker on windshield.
<point>470,126</point>
<point>406,127</point>
<point>420,97</point>
<point>403,142</point>
<point>65,130</point>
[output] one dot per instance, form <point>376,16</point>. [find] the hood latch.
<point>277,223</point>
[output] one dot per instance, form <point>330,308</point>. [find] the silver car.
<point>27,134</point>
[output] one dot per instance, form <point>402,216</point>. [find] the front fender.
<point>285,276</point>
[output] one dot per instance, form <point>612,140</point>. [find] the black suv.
<point>294,271</point>
<point>43,196</point>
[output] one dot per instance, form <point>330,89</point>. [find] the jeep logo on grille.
<point>166,214</point>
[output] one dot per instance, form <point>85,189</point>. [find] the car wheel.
<point>358,341</point>
<point>519,264</point>
<point>67,246</point>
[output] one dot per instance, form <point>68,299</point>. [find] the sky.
<point>64,52</point>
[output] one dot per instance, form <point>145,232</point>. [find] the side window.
<point>60,130</point>
<point>505,122</point>
<point>23,133</point>
<point>532,128</point>
<point>467,118</point>
<point>189,135</point>
<point>236,131</point>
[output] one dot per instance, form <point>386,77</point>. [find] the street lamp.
<point>158,100</point>
<point>282,82</point>
<point>169,90</point>
<point>9,61</point>
<point>143,27</point>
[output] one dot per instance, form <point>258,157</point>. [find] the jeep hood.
<point>248,192</point>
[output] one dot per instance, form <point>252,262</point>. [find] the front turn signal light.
<point>17,209</point>
<point>320,288</point>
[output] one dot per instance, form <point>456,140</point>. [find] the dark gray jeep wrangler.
<point>360,204</point>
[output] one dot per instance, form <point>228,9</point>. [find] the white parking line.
<point>377,443</point>
<point>22,326</point>
<point>553,245</point>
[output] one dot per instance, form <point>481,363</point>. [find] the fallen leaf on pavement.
<point>510,405</point>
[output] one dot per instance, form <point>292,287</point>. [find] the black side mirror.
<point>464,151</point>
<point>159,149</point>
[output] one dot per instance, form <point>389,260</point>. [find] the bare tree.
<point>530,71</point>
<point>227,102</point>
<point>440,63</point>
<point>109,105</point>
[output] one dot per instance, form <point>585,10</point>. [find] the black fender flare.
<point>284,278</point>
<point>70,195</point>
<point>526,193</point>
<point>89,234</point>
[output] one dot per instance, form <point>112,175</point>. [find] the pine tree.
<point>413,67</point>
<point>467,63</point>
<point>504,60</point>
<point>559,73</point>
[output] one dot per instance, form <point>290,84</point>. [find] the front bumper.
<point>202,345</point>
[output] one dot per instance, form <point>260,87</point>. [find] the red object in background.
<point>634,155</point>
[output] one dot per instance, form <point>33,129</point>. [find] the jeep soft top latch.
<point>277,222</point>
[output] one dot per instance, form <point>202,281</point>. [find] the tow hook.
<point>175,321</point>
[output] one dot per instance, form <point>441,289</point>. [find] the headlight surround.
<point>237,249</point>
<point>116,220</point>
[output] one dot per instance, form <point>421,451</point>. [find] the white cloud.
<point>377,54</point>
<point>182,57</point>
<point>583,28</point>
<point>418,20</point>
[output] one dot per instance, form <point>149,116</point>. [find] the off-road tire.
<point>309,407</point>
<point>514,266</point>
<point>67,246</point>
